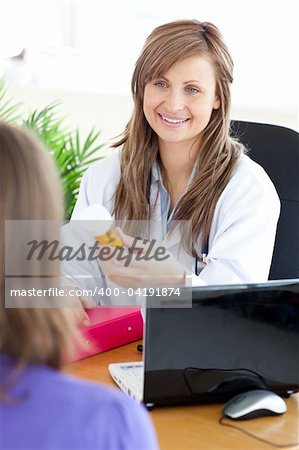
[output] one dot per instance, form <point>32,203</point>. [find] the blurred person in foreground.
<point>42,408</point>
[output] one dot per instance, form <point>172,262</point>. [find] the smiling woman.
<point>178,163</point>
<point>182,103</point>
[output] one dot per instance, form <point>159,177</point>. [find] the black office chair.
<point>276,149</point>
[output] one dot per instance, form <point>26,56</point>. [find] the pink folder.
<point>110,327</point>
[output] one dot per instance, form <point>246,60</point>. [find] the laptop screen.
<point>233,339</point>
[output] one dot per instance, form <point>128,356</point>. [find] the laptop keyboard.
<point>129,377</point>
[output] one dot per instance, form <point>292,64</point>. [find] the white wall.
<point>92,45</point>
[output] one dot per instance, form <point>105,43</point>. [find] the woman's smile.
<point>179,104</point>
<point>173,122</point>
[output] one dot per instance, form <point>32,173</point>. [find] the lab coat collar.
<point>172,238</point>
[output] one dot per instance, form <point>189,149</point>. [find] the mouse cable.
<point>254,436</point>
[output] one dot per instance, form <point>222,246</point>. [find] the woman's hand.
<point>78,305</point>
<point>141,264</point>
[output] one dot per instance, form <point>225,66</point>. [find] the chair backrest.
<point>276,149</point>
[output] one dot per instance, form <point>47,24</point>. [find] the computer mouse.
<point>256,403</point>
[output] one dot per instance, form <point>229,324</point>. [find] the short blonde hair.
<point>30,189</point>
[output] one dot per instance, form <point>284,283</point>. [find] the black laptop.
<point>232,339</point>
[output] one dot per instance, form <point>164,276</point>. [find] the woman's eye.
<point>160,84</point>
<point>192,90</point>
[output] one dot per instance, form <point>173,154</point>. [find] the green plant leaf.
<point>71,153</point>
<point>72,158</point>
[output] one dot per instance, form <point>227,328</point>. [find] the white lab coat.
<point>243,228</point>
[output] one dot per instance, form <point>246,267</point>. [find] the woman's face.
<point>178,105</point>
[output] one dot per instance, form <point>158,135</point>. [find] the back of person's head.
<point>30,190</point>
<point>30,184</point>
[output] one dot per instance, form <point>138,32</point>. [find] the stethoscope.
<point>201,261</point>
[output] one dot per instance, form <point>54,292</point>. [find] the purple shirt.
<point>58,412</point>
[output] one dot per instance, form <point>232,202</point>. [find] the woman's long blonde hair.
<point>30,189</point>
<point>217,153</point>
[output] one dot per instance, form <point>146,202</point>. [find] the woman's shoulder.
<point>88,393</point>
<point>104,406</point>
<point>100,416</point>
<point>99,183</point>
<point>249,173</point>
<point>107,166</point>
<point>248,185</point>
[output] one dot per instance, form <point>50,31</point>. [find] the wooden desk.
<point>196,427</point>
